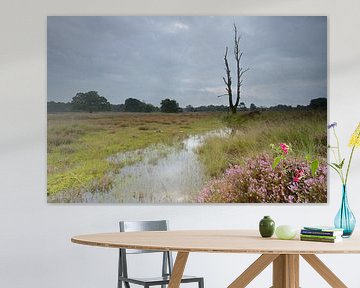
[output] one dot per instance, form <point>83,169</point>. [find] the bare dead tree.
<point>227,80</point>
<point>239,73</point>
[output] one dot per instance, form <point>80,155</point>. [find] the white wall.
<point>35,248</point>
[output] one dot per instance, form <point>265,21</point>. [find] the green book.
<point>325,240</point>
<point>319,236</point>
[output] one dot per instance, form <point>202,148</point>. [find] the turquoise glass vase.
<point>345,219</point>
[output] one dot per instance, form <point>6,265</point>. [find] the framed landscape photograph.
<point>187,109</point>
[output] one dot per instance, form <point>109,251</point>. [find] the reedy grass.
<point>80,143</point>
<point>252,135</point>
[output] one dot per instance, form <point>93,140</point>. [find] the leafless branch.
<point>239,72</point>
<point>227,80</point>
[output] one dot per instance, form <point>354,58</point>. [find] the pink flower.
<point>299,174</point>
<point>284,148</point>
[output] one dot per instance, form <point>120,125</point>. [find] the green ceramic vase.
<point>266,227</point>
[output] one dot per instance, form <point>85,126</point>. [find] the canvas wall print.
<point>183,109</point>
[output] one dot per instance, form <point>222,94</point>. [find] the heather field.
<point>185,157</point>
<point>241,165</point>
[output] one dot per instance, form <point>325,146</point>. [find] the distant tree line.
<point>92,102</point>
<point>315,104</point>
<point>135,105</point>
<point>208,108</point>
<point>53,106</point>
<point>170,106</point>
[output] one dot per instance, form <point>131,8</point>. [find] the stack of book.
<point>321,234</point>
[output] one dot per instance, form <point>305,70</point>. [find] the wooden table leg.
<point>293,262</point>
<point>286,271</point>
<point>324,271</point>
<point>178,270</point>
<point>253,270</point>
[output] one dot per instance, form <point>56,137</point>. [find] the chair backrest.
<point>134,226</point>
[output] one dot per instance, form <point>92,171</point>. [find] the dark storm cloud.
<point>152,58</point>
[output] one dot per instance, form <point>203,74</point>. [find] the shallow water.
<point>161,174</point>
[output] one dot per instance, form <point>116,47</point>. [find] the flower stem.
<point>337,142</point>
<point>337,171</point>
<point>348,167</point>
<point>333,151</point>
<point>339,162</point>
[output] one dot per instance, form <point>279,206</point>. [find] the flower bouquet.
<point>344,218</point>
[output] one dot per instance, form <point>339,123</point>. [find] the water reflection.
<point>157,174</point>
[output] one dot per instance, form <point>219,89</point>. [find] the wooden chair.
<point>167,262</point>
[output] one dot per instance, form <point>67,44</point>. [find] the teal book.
<point>324,228</point>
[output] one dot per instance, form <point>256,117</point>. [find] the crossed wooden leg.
<point>178,270</point>
<point>285,271</point>
<point>324,271</point>
<point>253,270</point>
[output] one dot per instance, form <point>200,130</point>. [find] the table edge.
<point>203,250</point>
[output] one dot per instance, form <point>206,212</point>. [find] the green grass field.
<point>80,143</point>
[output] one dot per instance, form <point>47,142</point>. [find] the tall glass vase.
<point>345,219</point>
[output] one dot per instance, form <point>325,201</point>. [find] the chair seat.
<point>158,280</point>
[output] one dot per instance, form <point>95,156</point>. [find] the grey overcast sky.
<point>178,57</point>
